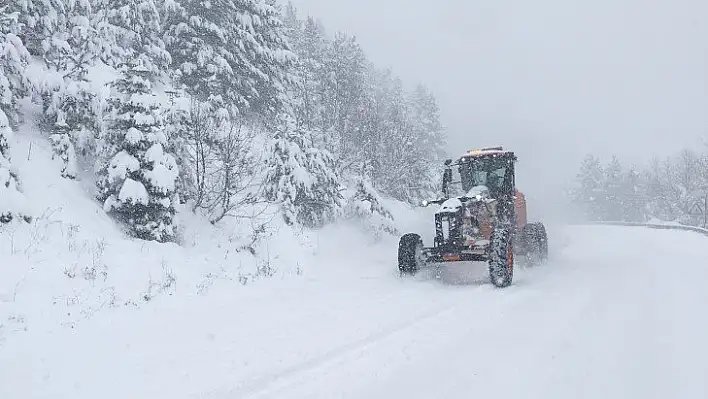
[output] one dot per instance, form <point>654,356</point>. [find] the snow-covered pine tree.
<point>394,145</point>
<point>589,193</point>
<point>656,191</point>
<point>199,42</point>
<point>69,47</point>
<point>429,136</point>
<point>292,26</point>
<point>634,198</point>
<point>268,56</point>
<point>181,128</point>
<point>683,183</point>
<point>612,189</point>
<point>688,171</point>
<point>667,189</point>
<point>391,158</point>
<point>312,52</point>
<point>362,115</point>
<point>231,53</point>
<point>70,118</point>
<point>40,19</point>
<point>310,46</point>
<point>137,182</point>
<point>131,29</point>
<point>63,148</point>
<point>301,178</point>
<point>343,93</point>
<point>13,60</point>
<point>12,200</point>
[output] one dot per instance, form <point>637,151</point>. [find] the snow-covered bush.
<point>364,206</point>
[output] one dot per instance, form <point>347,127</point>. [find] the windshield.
<point>483,171</point>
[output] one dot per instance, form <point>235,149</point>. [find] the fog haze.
<point>551,79</point>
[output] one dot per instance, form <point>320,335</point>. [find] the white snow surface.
<point>133,136</point>
<point>164,173</point>
<point>121,164</point>
<point>87,313</point>
<point>133,192</point>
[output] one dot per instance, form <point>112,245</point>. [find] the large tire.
<point>410,254</point>
<point>535,242</point>
<point>501,258</point>
<point>543,241</point>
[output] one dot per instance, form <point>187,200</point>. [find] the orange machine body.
<point>520,208</point>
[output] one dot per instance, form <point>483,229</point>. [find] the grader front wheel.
<point>501,258</point>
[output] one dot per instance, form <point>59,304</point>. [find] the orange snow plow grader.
<point>481,218</point>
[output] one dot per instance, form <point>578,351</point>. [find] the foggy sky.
<point>552,79</point>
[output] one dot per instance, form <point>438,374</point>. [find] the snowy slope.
<point>73,262</point>
<point>605,318</point>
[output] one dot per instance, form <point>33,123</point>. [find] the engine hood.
<point>450,206</point>
<point>475,194</point>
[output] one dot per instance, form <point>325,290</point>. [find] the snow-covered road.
<point>617,313</point>
<point>620,313</point>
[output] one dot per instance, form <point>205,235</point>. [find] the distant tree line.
<point>670,189</point>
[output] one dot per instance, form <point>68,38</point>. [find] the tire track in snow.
<point>293,375</point>
<point>262,383</point>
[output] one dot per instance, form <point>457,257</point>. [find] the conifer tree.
<point>131,29</point>
<point>137,182</point>
<point>40,20</point>
<point>589,194</point>
<point>612,190</point>
<point>301,177</point>
<point>12,200</point>
<point>231,53</point>
<point>14,58</point>
<point>63,148</point>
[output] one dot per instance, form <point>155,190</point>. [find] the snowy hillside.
<point>73,261</point>
<point>158,148</point>
<point>71,273</point>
